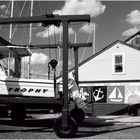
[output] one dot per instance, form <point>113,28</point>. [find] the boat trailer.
<point>66,125</point>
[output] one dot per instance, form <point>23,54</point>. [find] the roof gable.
<point>4,42</point>
<point>105,49</point>
<point>131,37</point>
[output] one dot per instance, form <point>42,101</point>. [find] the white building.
<point>112,76</point>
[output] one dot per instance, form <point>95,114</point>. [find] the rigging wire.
<point>11,25</point>
<point>40,8</point>
<point>30,29</point>
<point>17,7</point>
<point>30,39</point>
<point>24,66</point>
<point>59,50</point>
<point>49,53</point>
<point>71,54</point>
<point>85,48</point>
<point>6,11</point>
<point>55,43</point>
<point>21,40</point>
<point>6,59</point>
<point>19,16</point>
<point>23,33</point>
<point>49,43</point>
<point>24,28</point>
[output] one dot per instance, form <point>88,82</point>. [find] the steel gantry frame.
<point>55,20</point>
<point>75,47</point>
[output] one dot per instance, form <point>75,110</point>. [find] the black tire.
<point>65,132</point>
<point>78,115</point>
<point>17,113</point>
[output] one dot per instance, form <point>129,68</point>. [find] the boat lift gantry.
<point>75,47</point>
<point>55,20</point>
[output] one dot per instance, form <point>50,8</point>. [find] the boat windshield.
<point>4,68</point>
<point>11,59</point>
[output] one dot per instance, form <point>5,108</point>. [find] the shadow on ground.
<point>88,128</point>
<point>101,130</point>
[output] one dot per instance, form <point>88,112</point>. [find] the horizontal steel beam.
<point>45,18</point>
<point>55,46</point>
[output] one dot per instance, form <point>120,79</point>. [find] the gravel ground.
<point>100,127</point>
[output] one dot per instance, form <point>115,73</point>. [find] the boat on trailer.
<point>22,93</point>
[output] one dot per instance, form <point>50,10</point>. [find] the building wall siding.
<point>100,67</point>
<point>106,109</point>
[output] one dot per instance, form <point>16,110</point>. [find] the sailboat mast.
<point>10,36</point>
<point>30,39</point>
<point>94,49</point>
<point>30,31</point>
<point>10,33</point>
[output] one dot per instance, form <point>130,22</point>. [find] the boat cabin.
<point>10,59</point>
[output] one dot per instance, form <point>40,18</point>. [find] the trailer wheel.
<point>78,115</point>
<point>64,132</point>
<point>17,113</point>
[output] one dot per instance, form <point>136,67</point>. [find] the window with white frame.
<point>118,63</point>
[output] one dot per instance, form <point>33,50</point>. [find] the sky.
<point>114,20</point>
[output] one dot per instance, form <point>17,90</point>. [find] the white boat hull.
<point>27,87</point>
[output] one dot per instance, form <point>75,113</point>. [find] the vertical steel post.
<point>9,56</point>
<point>65,110</point>
<point>94,43</point>
<point>76,65</point>
<point>30,40</point>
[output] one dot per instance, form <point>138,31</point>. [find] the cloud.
<point>134,17</point>
<point>39,58</point>
<point>87,27</point>
<point>130,32</point>
<point>3,7</point>
<point>76,7</point>
<point>51,30</point>
<point>4,10</point>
